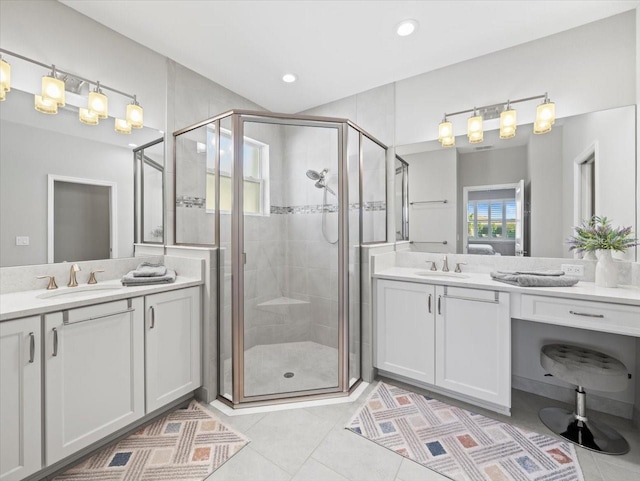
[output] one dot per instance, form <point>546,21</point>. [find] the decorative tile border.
<point>186,201</point>
<point>375,206</point>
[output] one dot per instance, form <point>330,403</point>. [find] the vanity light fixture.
<point>88,117</point>
<point>406,27</point>
<point>508,124</point>
<point>445,133</point>
<point>474,128</point>
<point>5,78</point>
<point>545,118</point>
<point>45,105</point>
<point>135,114</point>
<point>99,103</point>
<point>53,87</point>
<point>122,126</point>
<point>53,95</point>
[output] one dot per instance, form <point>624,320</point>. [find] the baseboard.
<point>567,395</point>
<point>445,392</point>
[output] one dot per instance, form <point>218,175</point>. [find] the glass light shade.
<point>445,130</point>
<point>508,124</point>
<point>135,116</point>
<point>448,141</point>
<point>5,77</point>
<point>46,106</point>
<point>99,104</point>
<point>88,117</point>
<point>541,127</point>
<point>546,113</point>
<point>474,129</point>
<point>53,89</point>
<point>122,126</point>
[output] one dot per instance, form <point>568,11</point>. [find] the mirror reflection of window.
<point>588,188</point>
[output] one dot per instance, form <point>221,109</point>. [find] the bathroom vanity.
<point>451,333</point>
<point>79,366</point>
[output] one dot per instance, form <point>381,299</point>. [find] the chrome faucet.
<point>445,266</point>
<point>72,276</point>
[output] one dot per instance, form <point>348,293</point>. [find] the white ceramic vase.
<point>606,269</point>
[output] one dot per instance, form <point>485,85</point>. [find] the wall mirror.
<point>38,151</point>
<point>402,198</point>
<point>522,196</point>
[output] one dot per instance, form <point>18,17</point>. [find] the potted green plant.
<point>596,235</point>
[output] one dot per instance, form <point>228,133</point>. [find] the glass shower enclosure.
<point>287,200</point>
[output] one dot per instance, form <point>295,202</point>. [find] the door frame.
<point>113,210</point>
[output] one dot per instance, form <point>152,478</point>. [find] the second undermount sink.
<point>78,291</point>
<point>454,275</point>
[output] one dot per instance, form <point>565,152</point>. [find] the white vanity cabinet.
<point>473,344</point>
<point>94,374</point>
<point>405,334</point>
<point>20,398</point>
<point>173,339</point>
<point>455,340</point>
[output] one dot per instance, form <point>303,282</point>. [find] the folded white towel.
<point>129,279</point>
<point>525,280</point>
<point>147,269</point>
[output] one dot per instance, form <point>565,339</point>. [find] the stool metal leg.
<point>575,427</point>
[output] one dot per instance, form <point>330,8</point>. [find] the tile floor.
<point>311,444</point>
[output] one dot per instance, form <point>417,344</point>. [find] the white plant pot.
<point>606,269</point>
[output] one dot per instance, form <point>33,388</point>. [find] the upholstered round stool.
<point>586,369</point>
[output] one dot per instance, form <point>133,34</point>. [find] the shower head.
<point>313,175</point>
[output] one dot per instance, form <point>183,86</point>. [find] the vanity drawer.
<point>600,316</point>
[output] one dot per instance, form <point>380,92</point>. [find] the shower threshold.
<point>229,411</point>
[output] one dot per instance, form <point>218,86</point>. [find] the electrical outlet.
<point>573,270</point>
<point>22,240</point>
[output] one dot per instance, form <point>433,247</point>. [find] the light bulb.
<point>135,115</point>
<point>474,129</point>
<point>445,129</point>
<point>53,89</point>
<point>508,124</point>
<point>99,104</point>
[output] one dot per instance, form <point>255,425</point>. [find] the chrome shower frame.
<point>238,119</point>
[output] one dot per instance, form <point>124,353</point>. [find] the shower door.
<point>291,319</point>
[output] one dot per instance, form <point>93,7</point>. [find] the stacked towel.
<point>147,274</point>
<point>535,278</point>
<point>147,269</point>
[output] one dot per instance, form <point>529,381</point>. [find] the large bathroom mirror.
<point>50,160</point>
<point>522,196</point>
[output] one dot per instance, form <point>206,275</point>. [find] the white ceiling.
<point>337,48</point>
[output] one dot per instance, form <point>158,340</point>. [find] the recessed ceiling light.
<point>406,27</point>
<point>289,78</point>
<point>133,145</point>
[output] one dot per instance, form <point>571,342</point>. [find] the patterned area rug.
<point>459,444</point>
<point>186,444</point>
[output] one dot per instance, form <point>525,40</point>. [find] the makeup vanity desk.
<point>452,333</point>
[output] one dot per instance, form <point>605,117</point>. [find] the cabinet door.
<point>94,368</point>
<point>473,339</point>
<point>173,345</point>
<point>405,329</point>
<point>20,398</point>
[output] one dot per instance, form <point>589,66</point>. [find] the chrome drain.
<point>288,375</point>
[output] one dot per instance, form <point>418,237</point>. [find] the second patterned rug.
<point>460,444</point>
<point>186,444</point>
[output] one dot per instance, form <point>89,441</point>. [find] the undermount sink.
<point>76,291</point>
<point>455,275</point>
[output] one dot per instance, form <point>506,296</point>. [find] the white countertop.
<point>582,290</point>
<point>26,303</point>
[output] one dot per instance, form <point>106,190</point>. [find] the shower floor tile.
<point>289,367</point>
